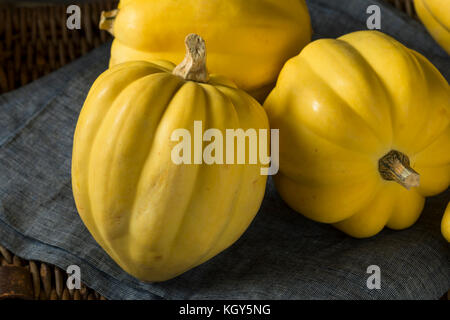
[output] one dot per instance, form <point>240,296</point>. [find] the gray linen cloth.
<point>281,256</point>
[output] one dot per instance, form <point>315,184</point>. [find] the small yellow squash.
<point>155,218</point>
<point>248,40</point>
<point>435,15</point>
<point>364,132</point>
<point>445,226</point>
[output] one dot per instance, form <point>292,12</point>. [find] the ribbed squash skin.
<point>248,40</point>
<point>154,218</point>
<point>435,15</point>
<point>343,104</point>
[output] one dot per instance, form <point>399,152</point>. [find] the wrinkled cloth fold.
<point>281,256</point>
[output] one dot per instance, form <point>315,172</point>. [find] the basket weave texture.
<point>47,282</point>
<point>405,6</point>
<point>34,41</point>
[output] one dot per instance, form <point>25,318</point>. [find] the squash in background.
<point>445,226</point>
<point>435,15</point>
<point>248,40</point>
<point>157,219</point>
<point>364,132</point>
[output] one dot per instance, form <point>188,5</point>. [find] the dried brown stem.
<point>395,166</point>
<point>193,66</point>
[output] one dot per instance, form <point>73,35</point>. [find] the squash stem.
<point>193,67</point>
<point>395,166</point>
<point>107,19</point>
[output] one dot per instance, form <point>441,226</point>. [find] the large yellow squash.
<point>248,40</point>
<point>435,15</point>
<point>155,218</point>
<point>364,132</point>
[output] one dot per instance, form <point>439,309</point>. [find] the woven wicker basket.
<point>33,42</point>
<point>405,5</point>
<point>38,281</point>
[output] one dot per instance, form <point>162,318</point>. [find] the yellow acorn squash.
<point>155,218</point>
<point>248,40</point>
<point>435,15</point>
<point>364,132</point>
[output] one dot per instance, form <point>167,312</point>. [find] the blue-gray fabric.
<point>281,256</point>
